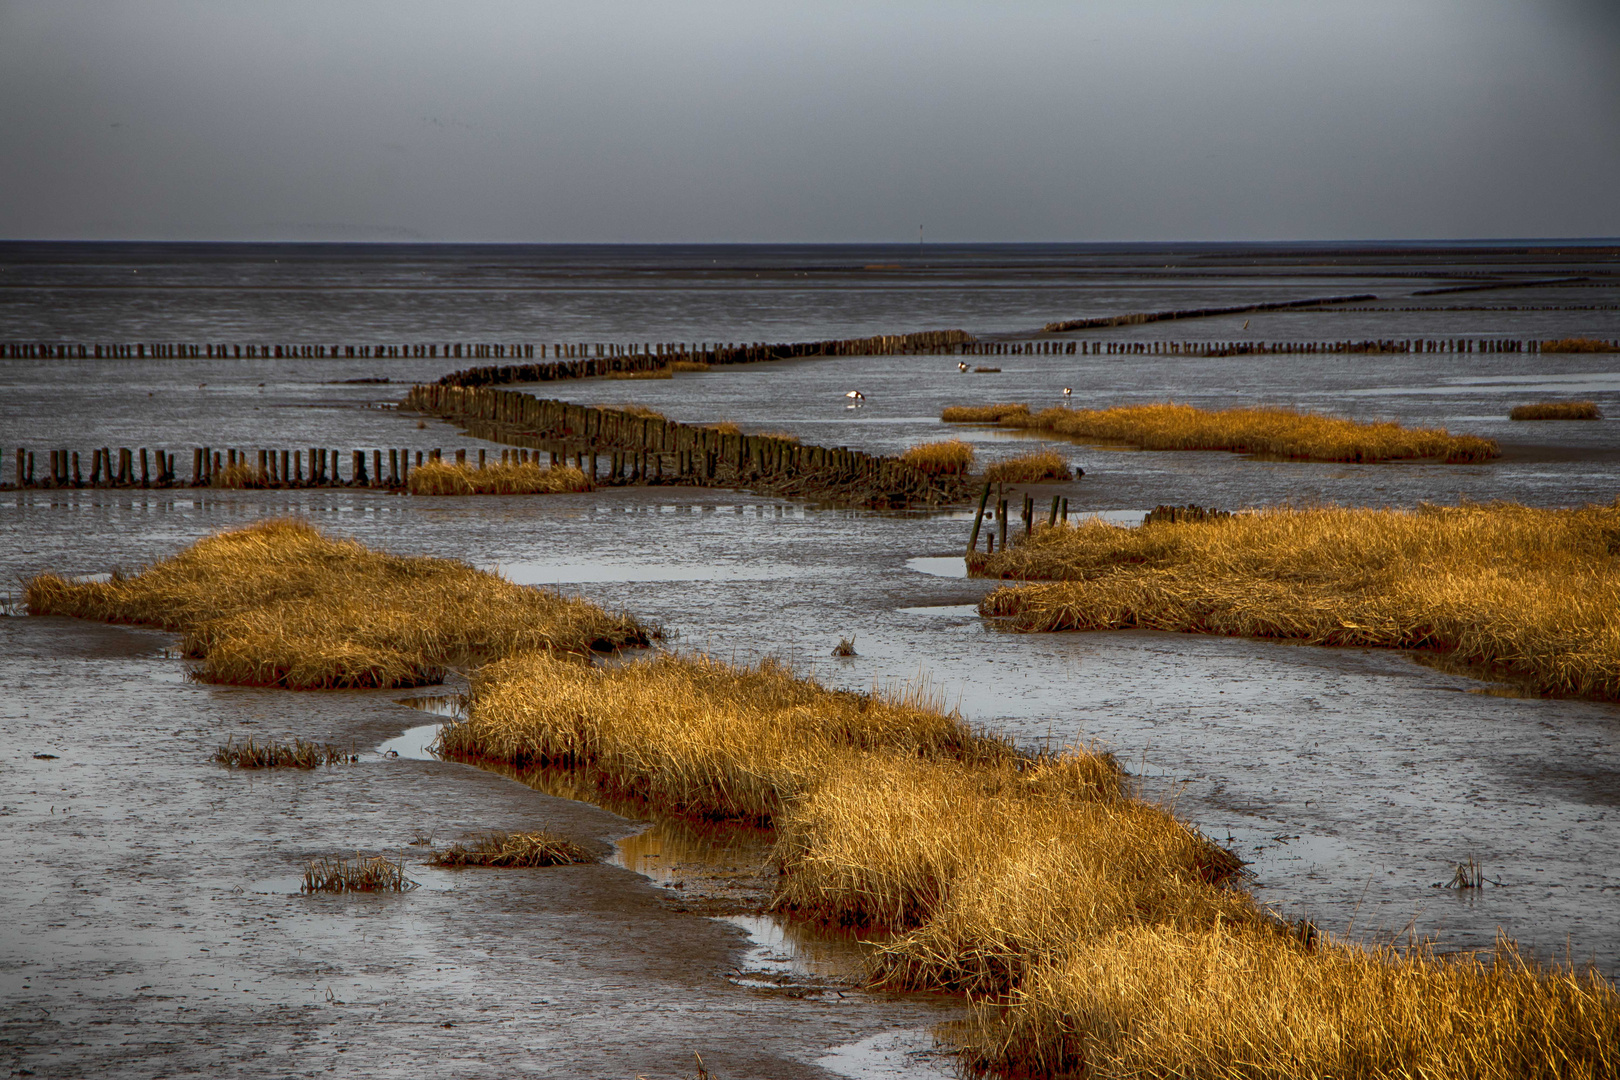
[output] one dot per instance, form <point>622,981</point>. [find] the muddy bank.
<point>152,925</point>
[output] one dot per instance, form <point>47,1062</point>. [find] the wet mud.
<point>149,928</point>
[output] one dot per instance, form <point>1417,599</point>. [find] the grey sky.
<point>825,121</point>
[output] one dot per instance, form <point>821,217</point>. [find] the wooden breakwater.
<point>1137,318</point>
<point>610,359</point>
<point>142,467</point>
<point>615,447</point>
<point>1306,348</point>
<point>570,359</point>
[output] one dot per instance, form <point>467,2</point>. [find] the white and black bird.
<point>855,398</point>
<point>961,365</point>
<point>1068,391</point>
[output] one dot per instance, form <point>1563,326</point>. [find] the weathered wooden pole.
<point>973,539</point>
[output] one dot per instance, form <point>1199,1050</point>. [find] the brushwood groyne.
<point>637,448</point>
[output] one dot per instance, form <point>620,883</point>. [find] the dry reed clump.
<point>785,436</point>
<point>273,755</point>
<point>281,604</point>
<point>1030,469</point>
<point>1534,594</point>
<point>724,427</point>
<point>513,849</point>
<point>981,414</point>
<point>241,476</point>
<point>949,457</point>
<point>1578,345</point>
<point>689,365</point>
<point>1275,432</point>
<point>639,411</point>
<point>359,874</point>
<point>642,373</point>
<point>698,735</point>
<point>1557,410</point>
<point>1228,1001</point>
<point>501,478</point>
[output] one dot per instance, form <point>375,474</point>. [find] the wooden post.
<point>376,468</point>
<point>77,478</point>
<point>1051,521</point>
<point>973,540</point>
<point>1001,519</point>
<point>196,466</point>
<point>358,473</point>
<point>146,476</point>
<point>1065,510</point>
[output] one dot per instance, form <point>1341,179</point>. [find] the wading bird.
<point>1068,391</point>
<point>855,395</point>
<point>961,365</point>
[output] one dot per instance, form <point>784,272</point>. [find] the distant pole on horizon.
<point>919,236</point>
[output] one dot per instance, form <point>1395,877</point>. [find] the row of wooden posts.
<point>651,449</point>
<point>575,361</point>
<point>664,352</point>
<point>999,514</point>
<point>140,467</point>
<point>1138,318</point>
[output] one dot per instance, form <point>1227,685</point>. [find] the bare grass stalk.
<point>1534,594</point>
<point>1557,410</point>
<point>513,849</point>
<point>270,754</point>
<point>359,874</point>
<point>281,604</point>
<point>501,478</point>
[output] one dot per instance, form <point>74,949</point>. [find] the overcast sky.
<point>812,121</point>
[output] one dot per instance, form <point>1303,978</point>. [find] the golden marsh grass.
<point>689,365</point>
<point>1557,410</point>
<point>1030,469</point>
<point>1228,1002</point>
<point>1533,594</point>
<point>241,476</point>
<point>1273,432</point>
<point>281,604</point>
<point>639,411</point>
<point>497,478</point>
<point>513,849</point>
<point>949,457</point>
<point>1096,934</point>
<point>1577,345</point>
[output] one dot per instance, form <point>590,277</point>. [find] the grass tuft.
<point>981,414</point>
<point>273,755</point>
<point>1557,410</point>
<point>1274,432</point>
<point>281,604</point>
<point>241,476</point>
<point>359,874</point>
<point>1577,345</point>
<point>1030,469</point>
<point>510,478</point>
<point>724,427</point>
<point>644,373</point>
<point>1533,594</point>
<point>513,849</point>
<point>949,457</point>
<point>639,411</point>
